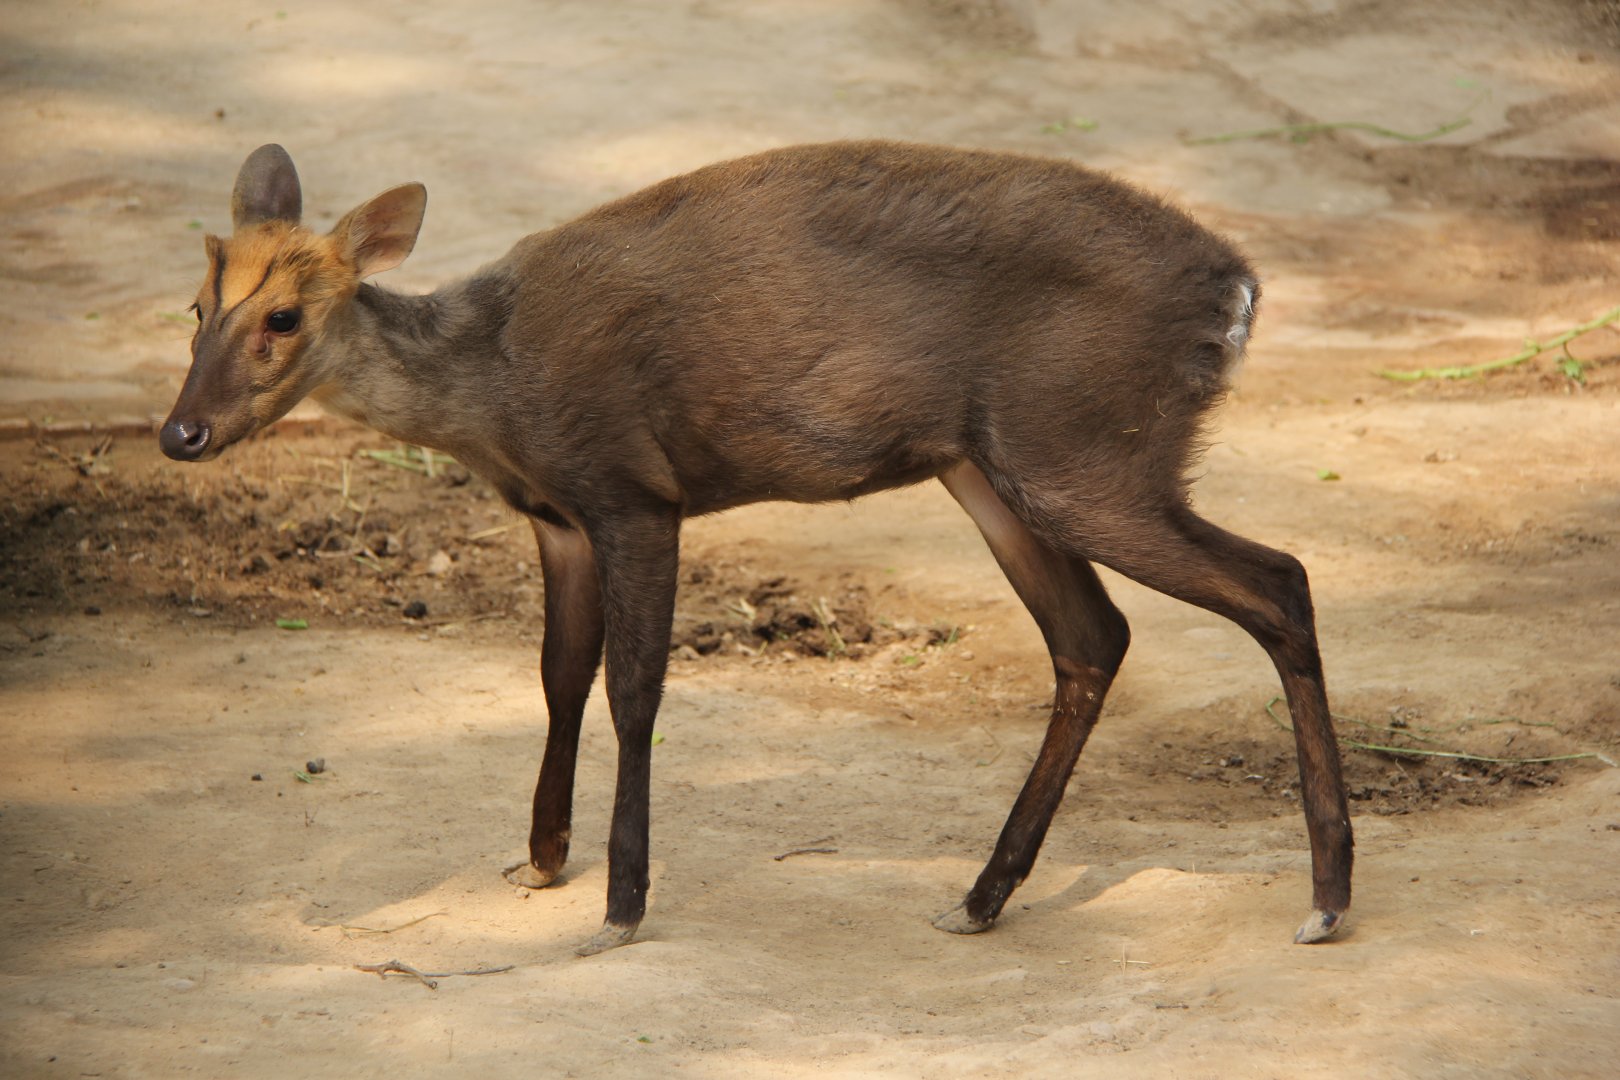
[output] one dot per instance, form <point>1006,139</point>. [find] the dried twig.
<point>805,851</point>
<point>1125,959</point>
<point>428,979</point>
<point>810,850</point>
<point>381,971</point>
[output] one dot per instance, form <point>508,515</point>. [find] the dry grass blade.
<point>356,931</point>
<point>1458,755</point>
<point>836,646</point>
<point>413,459</point>
<point>493,530</point>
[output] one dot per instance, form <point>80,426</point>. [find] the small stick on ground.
<point>428,979</point>
<point>811,850</point>
<point>381,971</point>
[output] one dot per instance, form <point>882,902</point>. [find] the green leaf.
<point>292,624</point>
<point>1571,367</point>
<point>1326,474</point>
<point>658,737</point>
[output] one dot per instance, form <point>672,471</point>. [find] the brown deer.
<point>810,324</point>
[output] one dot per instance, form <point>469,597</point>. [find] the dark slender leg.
<point>1087,637</point>
<point>636,560</point>
<point>1266,592</point>
<point>568,659</point>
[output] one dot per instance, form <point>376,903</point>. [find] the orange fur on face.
<point>252,376</point>
<point>272,266</point>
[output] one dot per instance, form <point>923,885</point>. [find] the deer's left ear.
<point>377,235</point>
<point>267,189</point>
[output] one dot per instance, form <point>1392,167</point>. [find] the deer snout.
<point>185,440</point>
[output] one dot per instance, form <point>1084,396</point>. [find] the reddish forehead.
<point>274,256</point>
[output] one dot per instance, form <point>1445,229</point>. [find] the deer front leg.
<point>569,657</point>
<point>637,555</point>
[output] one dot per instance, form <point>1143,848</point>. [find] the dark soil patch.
<point>310,528</point>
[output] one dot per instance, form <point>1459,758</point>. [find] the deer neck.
<point>418,368</point>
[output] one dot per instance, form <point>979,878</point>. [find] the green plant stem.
<point>1341,125</point>
<point>1531,350</point>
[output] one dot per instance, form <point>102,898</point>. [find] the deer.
<point>812,324</point>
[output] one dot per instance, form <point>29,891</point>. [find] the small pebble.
<point>316,766</point>
<point>258,776</point>
<point>416,610</point>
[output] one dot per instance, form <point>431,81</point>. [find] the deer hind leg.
<point>569,657</point>
<point>1170,549</point>
<point>1087,637</point>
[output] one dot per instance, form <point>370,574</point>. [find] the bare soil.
<point>855,694</point>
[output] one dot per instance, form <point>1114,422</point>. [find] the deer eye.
<point>282,322</point>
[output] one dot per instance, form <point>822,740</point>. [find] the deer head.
<point>271,314</point>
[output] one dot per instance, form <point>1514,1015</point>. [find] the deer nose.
<point>185,440</point>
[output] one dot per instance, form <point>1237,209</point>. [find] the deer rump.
<point>805,324</point>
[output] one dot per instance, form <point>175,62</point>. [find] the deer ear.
<point>377,235</point>
<point>266,189</point>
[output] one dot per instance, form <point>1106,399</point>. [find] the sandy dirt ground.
<point>175,898</point>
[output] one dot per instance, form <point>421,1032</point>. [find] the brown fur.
<point>813,323</point>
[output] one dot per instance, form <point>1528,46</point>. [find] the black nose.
<point>184,440</point>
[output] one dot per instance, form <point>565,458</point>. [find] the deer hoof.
<point>529,876</point>
<point>1319,927</point>
<point>611,936</point>
<point>958,921</point>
